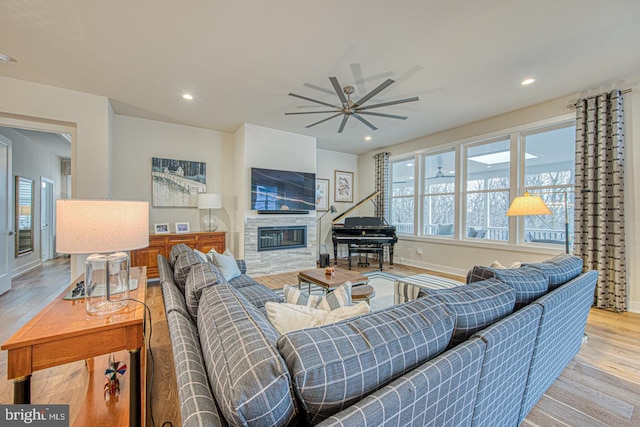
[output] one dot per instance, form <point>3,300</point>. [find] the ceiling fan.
<point>439,174</point>
<point>349,107</point>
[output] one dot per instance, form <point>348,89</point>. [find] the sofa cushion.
<point>181,270</point>
<point>241,281</point>
<point>226,263</point>
<point>176,250</point>
<point>293,295</point>
<point>200,277</point>
<point>259,295</point>
<point>335,365</point>
<point>173,299</point>
<point>249,378</point>
<point>475,306</point>
<point>197,405</point>
<point>528,282</point>
<point>560,269</point>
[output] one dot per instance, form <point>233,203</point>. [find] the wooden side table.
<point>362,293</point>
<point>63,332</point>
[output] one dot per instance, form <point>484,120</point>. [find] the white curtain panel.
<point>599,211</point>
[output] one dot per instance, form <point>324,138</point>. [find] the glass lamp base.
<point>106,283</point>
<point>208,222</point>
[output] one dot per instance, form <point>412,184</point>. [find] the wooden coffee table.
<point>328,282</point>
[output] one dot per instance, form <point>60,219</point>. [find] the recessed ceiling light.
<point>187,96</point>
<point>528,81</point>
<point>409,164</point>
<point>410,177</point>
<point>452,171</point>
<point>4,58</point>
<point>367,138</point>
<point>498,157</point>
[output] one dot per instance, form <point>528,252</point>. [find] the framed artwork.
<point>322,194</point>
<point>182,227</point>
<point>344,186</point>
<point>176,183</point>
<point>161,228</point>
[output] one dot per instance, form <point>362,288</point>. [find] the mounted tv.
<point>277,191</point>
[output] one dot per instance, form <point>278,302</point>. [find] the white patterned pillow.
<point>286,317</point>
<point>226,263</point>
<point>339,297</point>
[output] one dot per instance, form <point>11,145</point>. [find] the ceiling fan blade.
<point>374,92</point>
<point>384,104</point>
<point>309,112</point>
<point>356,70</point>
<point>338,89</point>
<point>314,100</point>
<point>390,116</point>
<point>323,120</point>
<point>365,121</point>
<point>344,122</point>
<point>318,88</point>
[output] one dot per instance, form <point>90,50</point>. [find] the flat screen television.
<point>277,190</point>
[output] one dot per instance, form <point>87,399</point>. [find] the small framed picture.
<point>344,186</point>
<point>322,194</point>
<point>161,228</point>
<point>182,227</point>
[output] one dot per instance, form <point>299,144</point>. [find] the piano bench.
<point>366,250</point>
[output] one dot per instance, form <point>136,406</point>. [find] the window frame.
<point>516,226</point>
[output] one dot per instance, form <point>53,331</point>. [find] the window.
<point>465,191</point>
<point>553,179</point>
<point>402,195</point>
<point>439,194</point>
<point>488,182</point>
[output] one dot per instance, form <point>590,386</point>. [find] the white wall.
<point>136,141</point>
<point>327,163</point>
<point>457,257</point>
<point>32,160</point>
<point>267,148</point>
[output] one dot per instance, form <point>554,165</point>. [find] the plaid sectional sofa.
<point>451,357</point>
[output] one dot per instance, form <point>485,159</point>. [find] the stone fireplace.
<point>279,243</point>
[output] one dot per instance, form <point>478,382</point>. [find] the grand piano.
<point>363,234</point>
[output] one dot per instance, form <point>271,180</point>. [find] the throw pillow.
<point>293,295</point>
<point>445,229</point>
<point>344,313</point>
<point>496,264</point>
<point>226,263</point>
<point>286,317</point>
<point>339,297</point>
<point>560,269</point>
<point>203,257</point>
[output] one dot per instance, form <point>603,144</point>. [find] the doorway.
<point>6,202</point>
<point>46,219</point>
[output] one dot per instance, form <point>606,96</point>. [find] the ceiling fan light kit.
<point>350,108</point>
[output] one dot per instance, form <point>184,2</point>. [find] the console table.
<point>63,332</point>
<point>160,244</point>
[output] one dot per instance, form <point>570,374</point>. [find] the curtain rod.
<point>572,106</point>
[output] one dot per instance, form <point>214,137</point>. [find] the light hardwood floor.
<point>600,387</point>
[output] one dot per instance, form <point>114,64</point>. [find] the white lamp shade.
<point>209,201</point>
<point>528,205</point>
<point>101,226</point>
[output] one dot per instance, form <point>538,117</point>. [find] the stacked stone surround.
<point>284,260</point>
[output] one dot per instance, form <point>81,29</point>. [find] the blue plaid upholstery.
<point>197,405</point>
<point>184,262</point>
<point>336,365</point>
<point>564,316</point>
<point>439,393</point>
<point>259,295</point>
<point>200,276</point>
<point>241,281</point>
<point>249,379</point>
<point>475,306</point>
<point>560,269</point>
<point>506,366</point>
<point>176,250</point>
<point>407,288</point>
<point>242,266</point>
<point>528,282</point>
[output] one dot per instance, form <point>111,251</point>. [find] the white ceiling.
<point>240,59</point>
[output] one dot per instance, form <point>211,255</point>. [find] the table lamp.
<point>209,201</point>
<point>103,228</point>
<point>528,205</point>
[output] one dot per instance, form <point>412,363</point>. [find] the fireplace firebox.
<point>282,237</point>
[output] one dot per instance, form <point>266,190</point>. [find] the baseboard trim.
<point>634,306</point>
<point>428,266</point>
